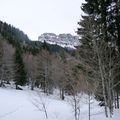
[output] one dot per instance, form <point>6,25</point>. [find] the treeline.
<point>15,36</point>
<point>46,70</point>
<point>34,64</point>
<point>12,34</point>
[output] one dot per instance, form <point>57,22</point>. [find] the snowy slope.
<point>63,40</point>
<point>18,105</point>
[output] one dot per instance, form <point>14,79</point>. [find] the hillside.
<point>15,36</point>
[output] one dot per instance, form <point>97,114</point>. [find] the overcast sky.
<point>35,17</point>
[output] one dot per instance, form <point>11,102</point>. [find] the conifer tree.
<point>20,76</point>
<point>106,13</point>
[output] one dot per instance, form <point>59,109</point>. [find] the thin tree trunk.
<point>62,94</point>
<point>102,77</point>
<point>89,106</point>
<point>117,100</point>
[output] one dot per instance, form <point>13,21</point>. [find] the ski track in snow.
<point>9,113</point>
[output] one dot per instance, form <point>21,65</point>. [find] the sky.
<point>36,17</point>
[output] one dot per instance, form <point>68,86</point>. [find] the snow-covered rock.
<point>63,40</point>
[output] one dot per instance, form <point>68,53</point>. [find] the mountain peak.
<point>63,40</point>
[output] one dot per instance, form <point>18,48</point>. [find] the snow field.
<point>19,105</point>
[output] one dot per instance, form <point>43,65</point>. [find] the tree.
<point>20,74</point>
<point>106,13</point>
<point>41,104</point>
<point>7,62</point>
<point>75,89</point>
<point>1,54</point>
<point>99,58</point>
<point>44,69</point>
<point>31,68</point>
<point>58,75</point>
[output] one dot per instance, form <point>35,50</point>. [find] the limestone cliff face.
<point>63,40</point>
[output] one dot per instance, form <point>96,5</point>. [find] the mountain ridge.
<point>65,40</point>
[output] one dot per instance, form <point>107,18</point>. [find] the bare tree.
<point>7,63</point>
<point>31,67</point>
<point>44,71</point>
<point>58,74</point>
<point>41,104</point>
<point>108,60</point>
<point>101,60</point>
<point>74,84</point>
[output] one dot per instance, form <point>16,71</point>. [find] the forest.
<point>93,68</point>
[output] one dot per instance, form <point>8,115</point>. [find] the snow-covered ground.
<point>19,105</point>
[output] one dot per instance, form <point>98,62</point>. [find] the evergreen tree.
<point>106,13</point>
<point>20,76</point>
<point>45,46</point>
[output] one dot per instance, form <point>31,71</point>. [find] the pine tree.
<point>106,13</point>
<point>20,76</point>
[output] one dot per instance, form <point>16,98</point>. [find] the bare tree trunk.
<point>110,99</point>
<point>102,77</point>
<point>104,93</point>
<point>32,85</point>
<point>2,74</point>
<point>62,95</point>
<point>117,100</point>
<point>45,110</point>
<point>75,108</point>
<point>89,106</point>
<point>16,86</point>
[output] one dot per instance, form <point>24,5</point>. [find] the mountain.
<point>63,40</point>
<point>12,34</point>
<point>56,43</point>
<point>17,37</point>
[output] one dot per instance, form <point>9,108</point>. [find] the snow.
<point>63,40</point>
<point>19,105</point>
